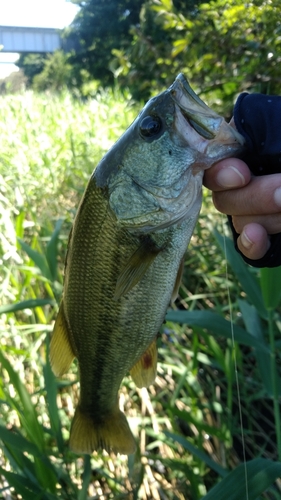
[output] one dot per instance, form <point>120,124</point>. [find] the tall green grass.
<point>210,425</point>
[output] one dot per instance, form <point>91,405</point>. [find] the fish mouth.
<point>208,124</point>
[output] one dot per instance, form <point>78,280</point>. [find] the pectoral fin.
<point>144,371</point>
<point>61,352</point>
<point>136,267</point>
<point>178,281</point>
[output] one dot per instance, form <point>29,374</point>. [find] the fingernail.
<point>245,240</point>
<point>230,177</point>
<point>277,196</point>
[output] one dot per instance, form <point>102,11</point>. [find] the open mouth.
<point>195,111</point>
<point>200,129</point>
<point>200,117</point>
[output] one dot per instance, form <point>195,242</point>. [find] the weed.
<point>188,424</point>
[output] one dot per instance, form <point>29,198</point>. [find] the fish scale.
<point>125,255</point>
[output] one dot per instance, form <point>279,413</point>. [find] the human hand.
<point>253,202</point>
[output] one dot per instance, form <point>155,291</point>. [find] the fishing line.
<point>235,362</point>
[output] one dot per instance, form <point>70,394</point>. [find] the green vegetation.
<point>210,425</point>
<point>223,46</point>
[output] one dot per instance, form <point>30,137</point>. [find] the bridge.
<point>20,39</point>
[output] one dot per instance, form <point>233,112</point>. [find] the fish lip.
<point>182,83</point>
<point>194,110</point>
<point>205,121</point>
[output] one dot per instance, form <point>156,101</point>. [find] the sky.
<point>33,13</point>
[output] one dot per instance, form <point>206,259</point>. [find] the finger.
<point>253,241</point>
<point>262,196</point>
<point>230,173</point>
<point>271,223</point>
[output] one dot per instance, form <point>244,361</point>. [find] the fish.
<point>125,256</point>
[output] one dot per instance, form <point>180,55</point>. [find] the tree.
<point>223,47</point>
<point>102,26</point>
<point>31,64</point>
<point>56,73</point>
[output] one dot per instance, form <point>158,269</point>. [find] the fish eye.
<point>150,126</point>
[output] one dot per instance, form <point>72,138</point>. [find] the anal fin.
<point>144,371</point>
<point>61,352</point>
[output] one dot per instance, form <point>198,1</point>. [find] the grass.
<point>210,425</point>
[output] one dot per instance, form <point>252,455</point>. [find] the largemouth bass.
<point>125,255</point>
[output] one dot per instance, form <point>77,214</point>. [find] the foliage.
<point>14,83</point>
<point>31,65</point>
<point>223,47</point>
<point>101,26</point>
<point>210,425</point>
<point>56,74</point>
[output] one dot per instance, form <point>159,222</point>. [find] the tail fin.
<point>112,434</point>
